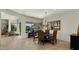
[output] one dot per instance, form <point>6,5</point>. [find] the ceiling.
<point>39,13</point>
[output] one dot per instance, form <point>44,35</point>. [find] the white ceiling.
<point>39,13</point>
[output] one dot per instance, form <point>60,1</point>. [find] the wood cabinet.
<point>74,42</point>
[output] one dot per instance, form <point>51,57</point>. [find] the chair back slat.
<point>40,35</point>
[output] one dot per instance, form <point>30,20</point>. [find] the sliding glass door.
<point>29,26</point>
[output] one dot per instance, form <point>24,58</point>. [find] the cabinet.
<point>74,42</point>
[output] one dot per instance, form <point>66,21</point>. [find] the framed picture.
<point>54,25</point>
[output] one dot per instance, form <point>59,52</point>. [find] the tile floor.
<point>18,43</point>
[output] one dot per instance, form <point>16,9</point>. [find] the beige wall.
<point>0,27</point>
<point>0,24</point>
<point>69,22</point>
<point>34,20</point>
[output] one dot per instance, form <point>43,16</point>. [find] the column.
<point>18,29</point>
<point>9,26</point>
<point>23,28</point>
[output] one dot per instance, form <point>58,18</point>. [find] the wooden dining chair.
<point>41,37</point>
<point>47,31</point>
<point>35,36</point>
<point>54,37</point>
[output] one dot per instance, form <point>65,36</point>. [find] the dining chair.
<point>47,31</point>
<point>35,36</point>
<point>54,37</point>
<point>41,37</point>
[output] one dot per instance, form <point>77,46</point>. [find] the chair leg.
<point>38,42</point>
<point>33,39</point>
<point>43,42</point>
<point>52,41</point>
<point>55,41</point>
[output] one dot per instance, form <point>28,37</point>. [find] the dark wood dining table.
<point>47,36</point>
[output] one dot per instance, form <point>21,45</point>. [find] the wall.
<point>0,24</point>
<point>34,20</point>
<point>77,23</point>
<point>68,24</point>
<point>0,28</point>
